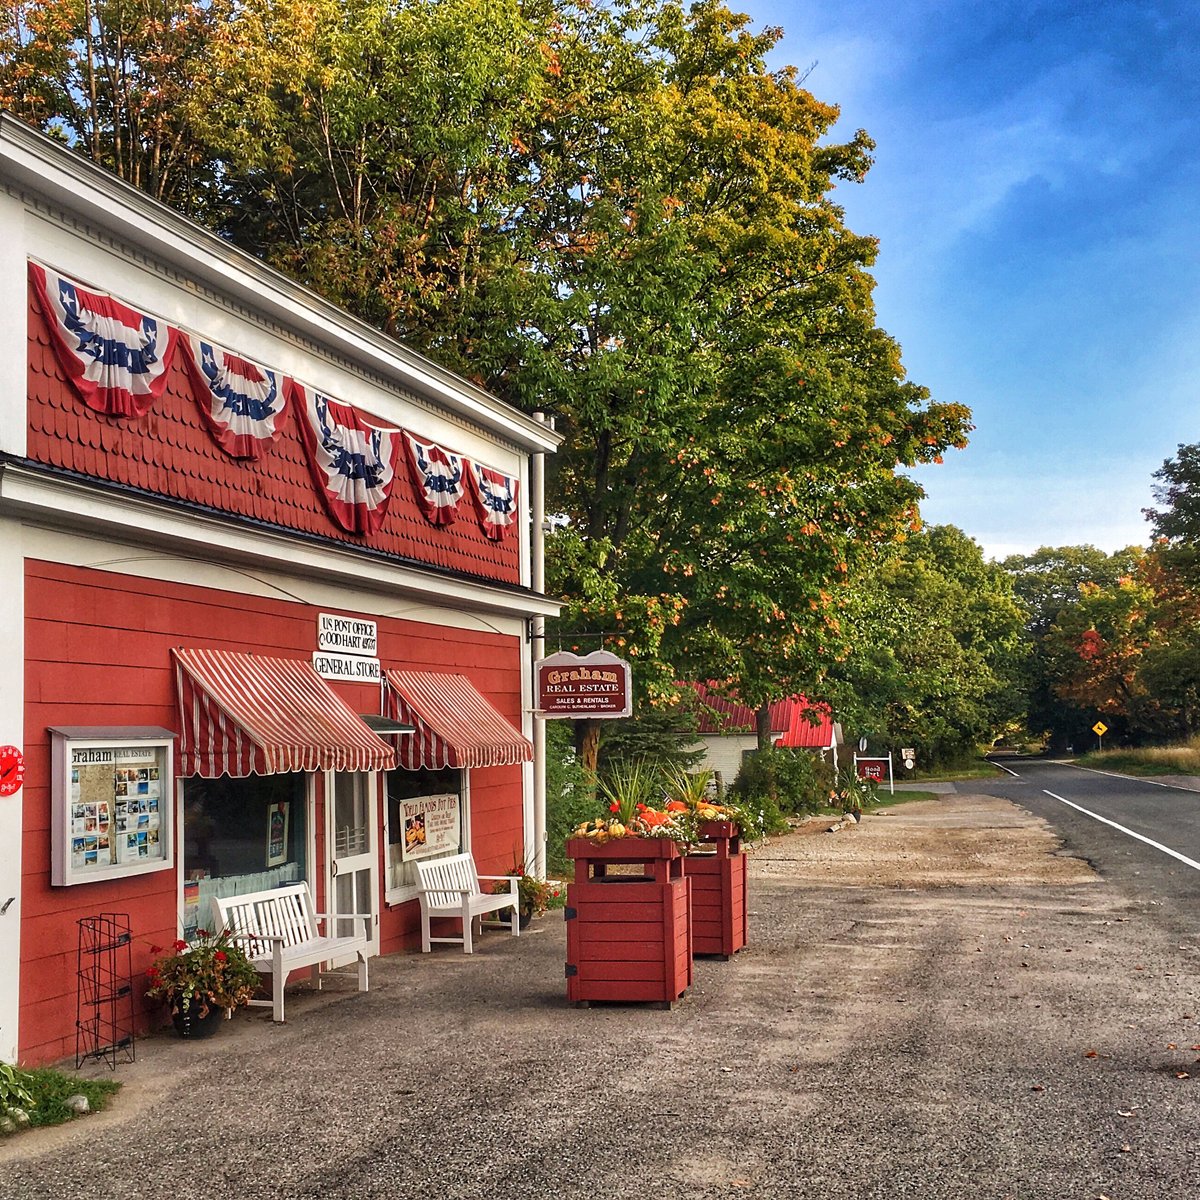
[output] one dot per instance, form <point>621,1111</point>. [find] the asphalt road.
<point>1136,833</point>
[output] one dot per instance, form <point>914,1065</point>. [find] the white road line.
<point>1183,858</point>
<point>1003,768</point>
<point>1116,775</point>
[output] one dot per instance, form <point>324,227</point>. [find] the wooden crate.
<point>720,920</point>
<point>628,936</point>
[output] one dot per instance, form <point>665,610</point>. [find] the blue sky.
<point>1036,190</point>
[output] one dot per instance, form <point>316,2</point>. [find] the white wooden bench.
<point>450,887</point>
<point>281,932</point>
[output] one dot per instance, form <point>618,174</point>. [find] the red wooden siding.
<point>170,453</point>
<point>98,653</point>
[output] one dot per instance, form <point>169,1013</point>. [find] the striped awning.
<point>455,725</point>
<point>244,714</point>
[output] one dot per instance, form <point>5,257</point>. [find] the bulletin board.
<point>112,803</point>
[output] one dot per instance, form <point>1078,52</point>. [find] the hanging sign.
<point>593,685</point>
<point>12,770</point>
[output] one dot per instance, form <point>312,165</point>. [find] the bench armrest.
<point>509,878</point>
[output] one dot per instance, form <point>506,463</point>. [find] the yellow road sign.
<point>1099,729</point>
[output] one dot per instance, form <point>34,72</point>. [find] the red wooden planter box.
<point>628,936</point>
<point>720,922</point>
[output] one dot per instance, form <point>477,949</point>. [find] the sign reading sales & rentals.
<point>591,685</point>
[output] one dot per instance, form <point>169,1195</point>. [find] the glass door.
<point>353,856</point>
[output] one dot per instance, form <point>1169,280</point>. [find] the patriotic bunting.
<point>116,358</point>
<point>352,463</point>
<point>241,402</point>
<point>437,479</point>
<point>494,495</point>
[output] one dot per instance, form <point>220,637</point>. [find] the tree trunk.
<point>587,744</point>
<point>762,721</point>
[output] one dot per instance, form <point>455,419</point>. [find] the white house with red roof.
<point>728,730</point>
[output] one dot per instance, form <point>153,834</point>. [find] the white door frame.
<point>362,853</point>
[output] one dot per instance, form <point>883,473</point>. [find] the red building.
<point>246,543</point>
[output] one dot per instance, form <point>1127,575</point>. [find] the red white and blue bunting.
<point>241,402</point>
<point>494,495</point>
<point>118,359</point>
<point>115,357</point>
<point>437,478</point>
<point>353,464</point>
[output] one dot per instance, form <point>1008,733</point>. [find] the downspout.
<point>537,565</point>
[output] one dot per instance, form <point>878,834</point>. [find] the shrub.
<point>791,781</point>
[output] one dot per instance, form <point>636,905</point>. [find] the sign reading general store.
<point>591,685</point>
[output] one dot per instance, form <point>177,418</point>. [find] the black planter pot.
<point>189,1024</point>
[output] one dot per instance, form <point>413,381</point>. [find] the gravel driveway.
<point>937,1003</point>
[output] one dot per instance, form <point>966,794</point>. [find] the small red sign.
<point>12,770</point>
<point>594,685</point>
<point>874,769</point>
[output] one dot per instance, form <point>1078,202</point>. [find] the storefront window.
<point>425,819</point>
<point>239,836</point>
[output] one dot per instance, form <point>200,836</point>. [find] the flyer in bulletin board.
<point>115,806</point>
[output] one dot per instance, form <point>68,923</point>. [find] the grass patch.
<point>50,1089</point>
<point>1153,760</point>
<point>883,800</point>
<point>981,769</point>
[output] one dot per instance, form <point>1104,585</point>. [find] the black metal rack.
<point>104,1012</point>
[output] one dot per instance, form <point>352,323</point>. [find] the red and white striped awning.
<point>244,714</point>
<point>455,725</point>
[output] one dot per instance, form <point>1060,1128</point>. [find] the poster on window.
<point>430,826</point>
<point>278,819</point>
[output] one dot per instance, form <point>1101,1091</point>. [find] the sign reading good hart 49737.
<point>592,685</point>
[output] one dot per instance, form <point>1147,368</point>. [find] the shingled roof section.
<point>169,452</point>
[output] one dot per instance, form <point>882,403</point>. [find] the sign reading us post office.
<point>347,635</point>
<point>596,685</point>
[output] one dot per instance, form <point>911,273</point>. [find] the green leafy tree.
<point>616,212</point>
<point>937,660</point>
<point>1176,524</point>
<point>1048,582</point>
<point>115,78</point>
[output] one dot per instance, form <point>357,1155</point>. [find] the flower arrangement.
<point>536,894</point>
<point>644,804</point>
<point>695,791</point>
<point>851,794</point>
<point>211,972</point>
